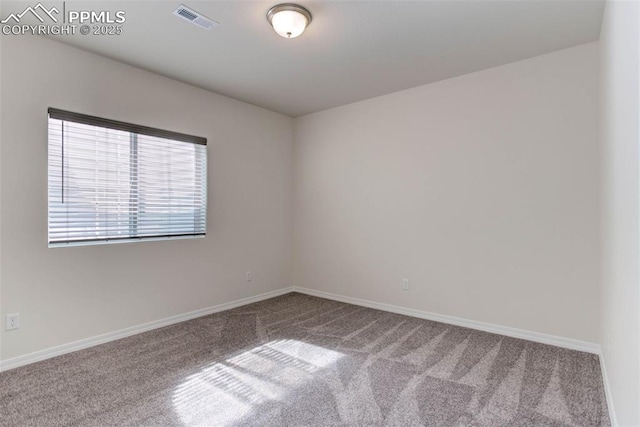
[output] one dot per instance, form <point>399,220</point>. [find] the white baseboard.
<point>482,326</point>
<point>48,353</point>
<point>607,392</point>
<point>458,321</point>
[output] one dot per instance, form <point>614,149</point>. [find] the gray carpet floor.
<point>298,360</point>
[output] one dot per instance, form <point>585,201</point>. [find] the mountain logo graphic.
<point>34,11</point>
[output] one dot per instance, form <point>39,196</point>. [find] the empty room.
<point>321,213</point>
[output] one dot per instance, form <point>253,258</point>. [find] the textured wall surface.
<point>620,337</point>
<point>482,190</point>
<point>67,294</point>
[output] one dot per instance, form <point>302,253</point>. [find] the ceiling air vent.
<point>194,17</point>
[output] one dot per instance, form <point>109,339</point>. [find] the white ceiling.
<point>352,50</point>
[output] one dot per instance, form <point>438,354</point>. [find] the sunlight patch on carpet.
<point>226,392</point>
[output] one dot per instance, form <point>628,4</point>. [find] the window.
<point>111,181</point>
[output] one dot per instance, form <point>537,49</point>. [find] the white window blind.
<point>114,181</point>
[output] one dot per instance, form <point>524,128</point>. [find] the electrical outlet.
<point>13,321</point>
<point>249,276</point>
<point>405,284</point>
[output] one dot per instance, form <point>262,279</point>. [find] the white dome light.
<point>289,20</point>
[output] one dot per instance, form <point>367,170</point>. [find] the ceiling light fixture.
<point>289,20</point>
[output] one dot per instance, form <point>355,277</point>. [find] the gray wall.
<point>66,294</point>
<point>482,190</point>
<point>620,301</point>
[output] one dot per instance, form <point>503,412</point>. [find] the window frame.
<point>135,131</point>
